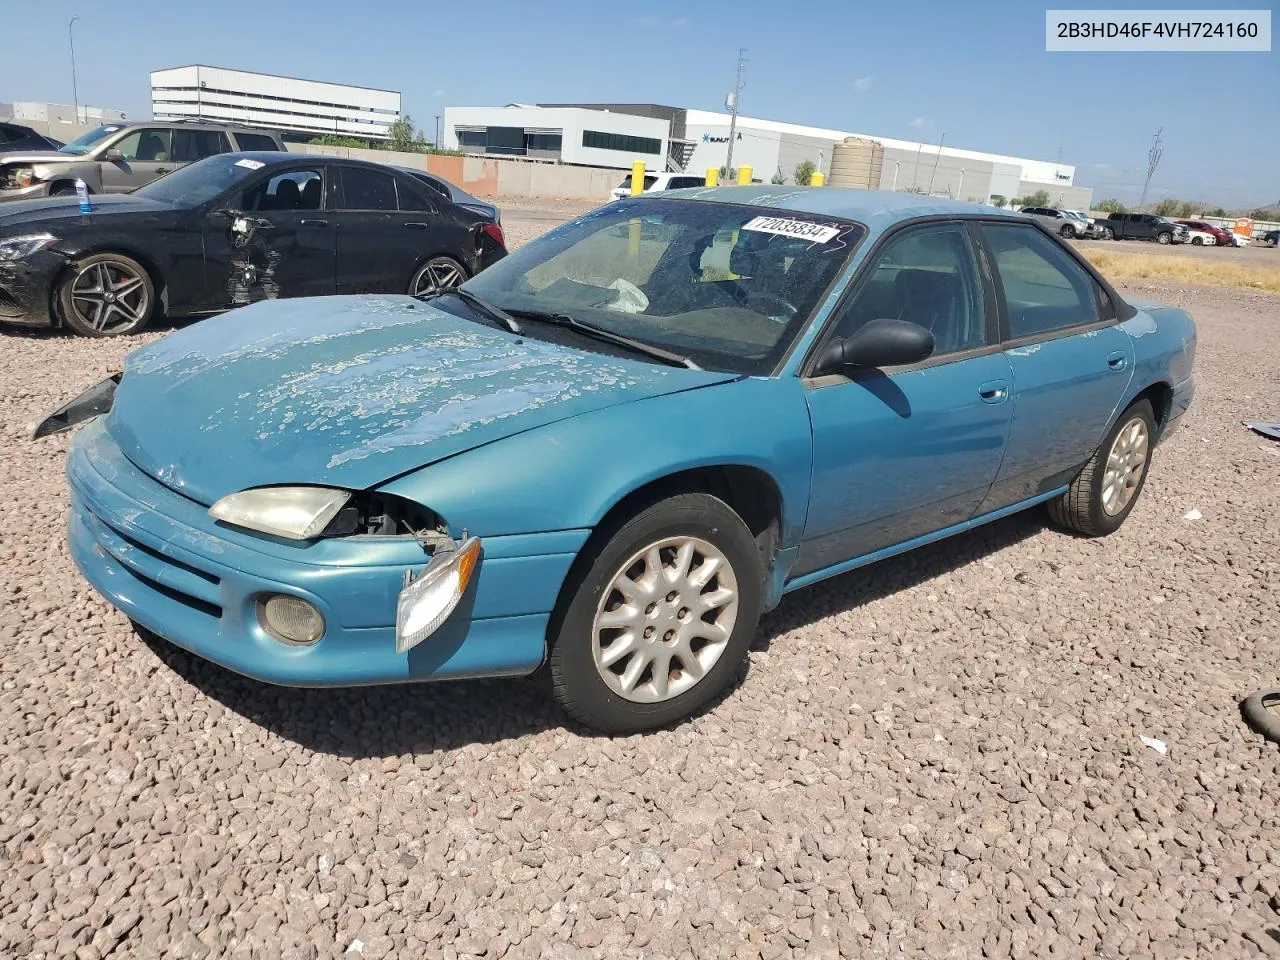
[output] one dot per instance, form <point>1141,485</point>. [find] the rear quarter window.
<point>256,141</point>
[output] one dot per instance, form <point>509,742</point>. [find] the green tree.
<point>1038,199</point>
<point>1265,213</point>
<point>337,140</point>
<point>402,135</point>
<point>1168,207</point>
<point>1111,206</point>
<point>997,200</point>
<point>1218,212</point>
<point>778,178</point>
<point>1186,209</point>
<point>804,172</point>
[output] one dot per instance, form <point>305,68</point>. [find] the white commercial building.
<point>593,138</point>
<point>676,138</point>
<point>285,104</point>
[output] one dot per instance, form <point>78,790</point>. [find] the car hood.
<point>351,392</point>
<point>42,156</point>
<point>18,213</point>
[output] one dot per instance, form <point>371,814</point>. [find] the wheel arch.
<point>451,254</point>
<point>1159,395</point>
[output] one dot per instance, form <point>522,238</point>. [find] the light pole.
<point>75,93</point>
<point>896,165</point>
<point>960,185</point>
<point>733,116</point>
<point>437,131</point>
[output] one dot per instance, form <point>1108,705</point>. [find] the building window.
<point>511,141</point>
<point>545,142</point>
<point>621,142</point>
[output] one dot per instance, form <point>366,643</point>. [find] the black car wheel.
<point>106,295</point>
<point>438,273</point>
<point>658,616</point>
<point>1197,242</point>
<point>1108,233</point>
<point>1067,232</point>
<point>1164,237</point>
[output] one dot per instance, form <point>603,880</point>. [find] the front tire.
<point>1066,233</point>
<point>1164,238</point>
<point>1103,494</point>
<point>1108,233</point>
<point>660,618</point>
<point>1197,242</point>
<point>106,295</point>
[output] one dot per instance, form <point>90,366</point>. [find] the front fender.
<point>567,475</point>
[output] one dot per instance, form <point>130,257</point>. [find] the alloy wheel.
<point>110,296</point>
<point>1125,463</point>
<point>665,619</point>
<point>438,273</point>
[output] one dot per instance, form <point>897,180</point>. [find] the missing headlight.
<point>372,514</point>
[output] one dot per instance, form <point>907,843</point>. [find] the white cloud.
<point>918,122</point>
<point>1100,166</point>
<point>862,84</point>
<point>438,94</point>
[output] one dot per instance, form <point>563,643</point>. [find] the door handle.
<point>417,225</point>
<point>315,223</point>
<point>994,391</point>
<point>1117,361</point>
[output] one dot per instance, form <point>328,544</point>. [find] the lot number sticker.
<point>800,229</point>
<point>250,164</point>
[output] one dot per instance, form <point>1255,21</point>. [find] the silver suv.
<point>120,157</point>
<point>1059,221</point>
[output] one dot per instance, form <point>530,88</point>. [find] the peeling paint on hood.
<point>351,391</point>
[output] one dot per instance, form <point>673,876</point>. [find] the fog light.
<point>290,619</point>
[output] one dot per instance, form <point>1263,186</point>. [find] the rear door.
<point>145,154</point>
<point>191,145</point>
<point>1070,361</point>
<point>379,244</point>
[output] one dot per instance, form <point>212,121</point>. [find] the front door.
<point>1071,363</point>
<point>278,241</point>
<point>145,155</point>
<point>904,452</point>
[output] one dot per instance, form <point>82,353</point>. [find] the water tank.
<point>856,162</point>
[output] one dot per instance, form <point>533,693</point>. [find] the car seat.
<point>151,148</point>
<point>935,300</point>
<point>310,195</point>
<point>288,196</point>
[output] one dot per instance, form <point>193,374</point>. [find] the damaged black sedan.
<point>229,230</point>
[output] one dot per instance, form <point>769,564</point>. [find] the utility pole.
<point>896,165</point>
<point>733,107</point>
<point>936,158</point>
<point>1153,161</point>
<point>75,93</point>
<point>960,186</point>
<point>437,131</point>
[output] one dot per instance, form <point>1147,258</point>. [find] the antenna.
<point>733,116</point>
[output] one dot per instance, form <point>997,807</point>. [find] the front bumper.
<point>26,288</point>
<point>162,560</point>
<point>39,188</point>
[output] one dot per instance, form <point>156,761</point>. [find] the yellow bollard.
<point>713,176</point>
<point>817,179</point>
<point>637,178</point>
<point>744,176</point>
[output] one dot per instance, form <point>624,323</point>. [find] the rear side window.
<point>191,145</point>
<point>1044,289</point>
<point>256,141</point>
<point>435,186</point>
<point>414,197</point>
<point>368,189</point>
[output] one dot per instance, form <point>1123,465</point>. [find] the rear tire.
<point>1104,492</point>
<point>437,273</point>
<point>642,590</point>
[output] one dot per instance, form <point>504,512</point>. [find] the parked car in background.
<point>1059,221</point>
<point>1206,234</point>
<point>1143,226</point>
<point>1271,238</point>
<point>15,138</point>
<point>1091,231</point>
<point>455,194</point>
<point>608,455</point>
<point>657,182</point>
<point>229,230</point>
<point>120,157</point>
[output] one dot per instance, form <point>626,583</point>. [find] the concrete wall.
<point>62,121</point>
<point>923,170</point>
<point>490,176</point>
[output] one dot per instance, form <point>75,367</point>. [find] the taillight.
<point>494,233</point>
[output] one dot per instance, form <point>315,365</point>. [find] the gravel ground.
<point>936,756</point>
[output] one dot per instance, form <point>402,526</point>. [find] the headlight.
<point>425,603</point>
<point>298,513</point>
<point>22,177</point>
<point>18,248</point>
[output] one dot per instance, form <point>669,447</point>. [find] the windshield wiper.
<point>599,333</point>
<point>466,296</point>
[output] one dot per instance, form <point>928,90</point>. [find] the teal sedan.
<point>604,456</point>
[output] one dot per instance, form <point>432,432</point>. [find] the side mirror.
<point>880,343</point>
<point>112,155</point>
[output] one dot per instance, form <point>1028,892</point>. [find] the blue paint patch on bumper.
<point>162,560</point>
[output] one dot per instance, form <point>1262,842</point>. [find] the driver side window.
<point>928,276</point>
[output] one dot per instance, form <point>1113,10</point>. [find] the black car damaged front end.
<point>26,288</point>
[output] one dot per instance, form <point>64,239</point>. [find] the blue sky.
<point>976,71</point>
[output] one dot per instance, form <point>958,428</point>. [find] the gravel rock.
<point>936,755</point>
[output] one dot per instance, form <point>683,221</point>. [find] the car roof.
<point>878,209</point>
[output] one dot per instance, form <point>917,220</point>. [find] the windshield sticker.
<point>250,164</point>
<point>111,129</point>
<point>799,229</point>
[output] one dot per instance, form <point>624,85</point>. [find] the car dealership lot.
<point>939,753</point>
